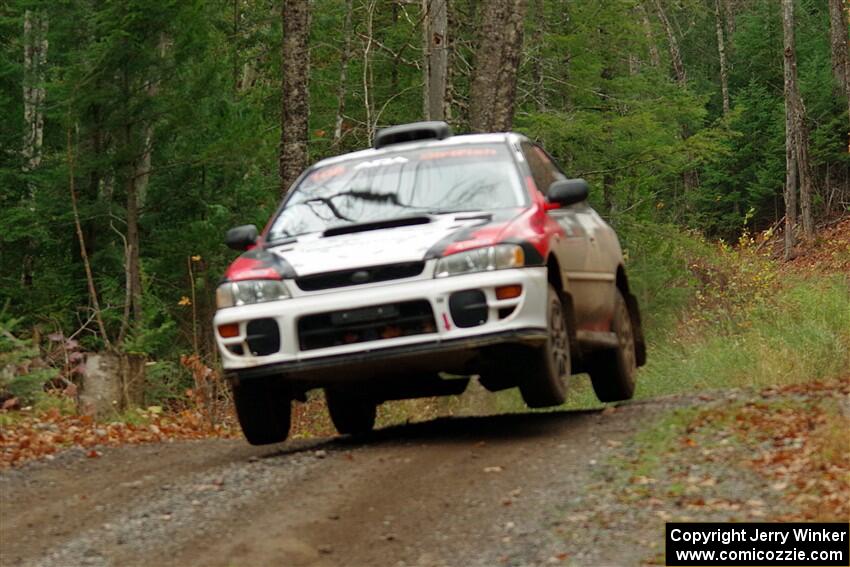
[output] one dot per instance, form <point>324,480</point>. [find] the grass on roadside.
<point>802,333</point>
<point>719,317</point>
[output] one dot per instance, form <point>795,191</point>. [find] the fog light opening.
<point>505,312</point>
<point>508,291</point>
<point>229,330</point>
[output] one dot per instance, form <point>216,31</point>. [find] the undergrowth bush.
<point>166,383</point>
<point>23,375</point>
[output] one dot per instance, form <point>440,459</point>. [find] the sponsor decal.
<point>327,173</point>
<point>458,153</point>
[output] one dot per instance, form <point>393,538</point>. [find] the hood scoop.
<point>376,225</point>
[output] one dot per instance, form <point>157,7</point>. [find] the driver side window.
<point>543,171</point>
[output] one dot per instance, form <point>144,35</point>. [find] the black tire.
<point>264,410</point>
<point>351,413</point>
<point>548,367</point>
<point>613,372</point>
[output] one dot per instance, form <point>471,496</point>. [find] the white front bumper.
<point>529,313</point>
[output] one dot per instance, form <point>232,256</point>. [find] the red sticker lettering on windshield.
<point>457,153</point>
<point>327,173</point>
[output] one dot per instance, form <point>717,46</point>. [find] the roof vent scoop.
<point>434,130</point>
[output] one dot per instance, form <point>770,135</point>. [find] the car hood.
<point>316,253</point>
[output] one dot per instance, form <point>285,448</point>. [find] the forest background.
<point>135,133</point>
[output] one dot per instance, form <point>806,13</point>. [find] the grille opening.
<point>236,349</point>
<point>360,276</point>
<point>468,308</point>
<point>374,323</point>
<point>263,337</point>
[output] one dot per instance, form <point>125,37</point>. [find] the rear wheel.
<point>263,408</point>
<point>613,372</point>
<point>548,367</point>
<point>351,413</point>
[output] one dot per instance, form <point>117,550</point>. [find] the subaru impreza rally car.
<point>402,270</point>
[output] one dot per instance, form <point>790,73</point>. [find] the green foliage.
<point>167,383</point>
<point>799,334</point>
<point>21,375</point>
<point>29,387</point>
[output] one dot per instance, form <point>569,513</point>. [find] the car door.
<point>574,251</point>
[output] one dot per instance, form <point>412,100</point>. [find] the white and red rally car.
<point>399,271</point>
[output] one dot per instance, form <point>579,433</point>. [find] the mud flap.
<point>637,329</point>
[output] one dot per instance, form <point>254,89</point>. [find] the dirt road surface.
<point>460,491</point>
<point>513,489</point>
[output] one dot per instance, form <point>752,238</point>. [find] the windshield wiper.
<point>329,204</point>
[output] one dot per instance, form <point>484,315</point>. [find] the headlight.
<point>496,257</point>
<point>249,291</point>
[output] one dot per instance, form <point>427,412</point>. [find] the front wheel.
<point>549,366</point>
<point>351,413</point>
<point>264,409</point>
<point>613,372</point>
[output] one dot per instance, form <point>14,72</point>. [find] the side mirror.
<point>241,237</point>
<point>568,191</point>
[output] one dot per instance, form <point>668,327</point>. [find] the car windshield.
<point>401,184</point>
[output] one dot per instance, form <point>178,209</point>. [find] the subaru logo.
<point>360,276</point>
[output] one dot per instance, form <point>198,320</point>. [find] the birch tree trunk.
<point>493,88</point>
<point>143,166</point>
<point>673,45</point>
<point>796,135</point>
<point>35,61</point>
<point>689,176</point>
<point>133,265</point>
<point>435,31</point>
<point>345,56</point>
<point>804,168</point>
<point>137,190</point>
<point>654,57</point>
<point>295,101</point>
<point>790,191</point>
<point>721,52</point>
<point>838,46</point>
<point>537,88</point>
<point>451,61</point>
<point>790,74</point>
<point>368,103</point>
<point>729,15</point>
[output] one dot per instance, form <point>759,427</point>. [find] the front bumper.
<point>524,322</point>
<point>417,358</point>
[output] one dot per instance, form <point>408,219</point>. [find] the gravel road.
<point>492,490</point>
